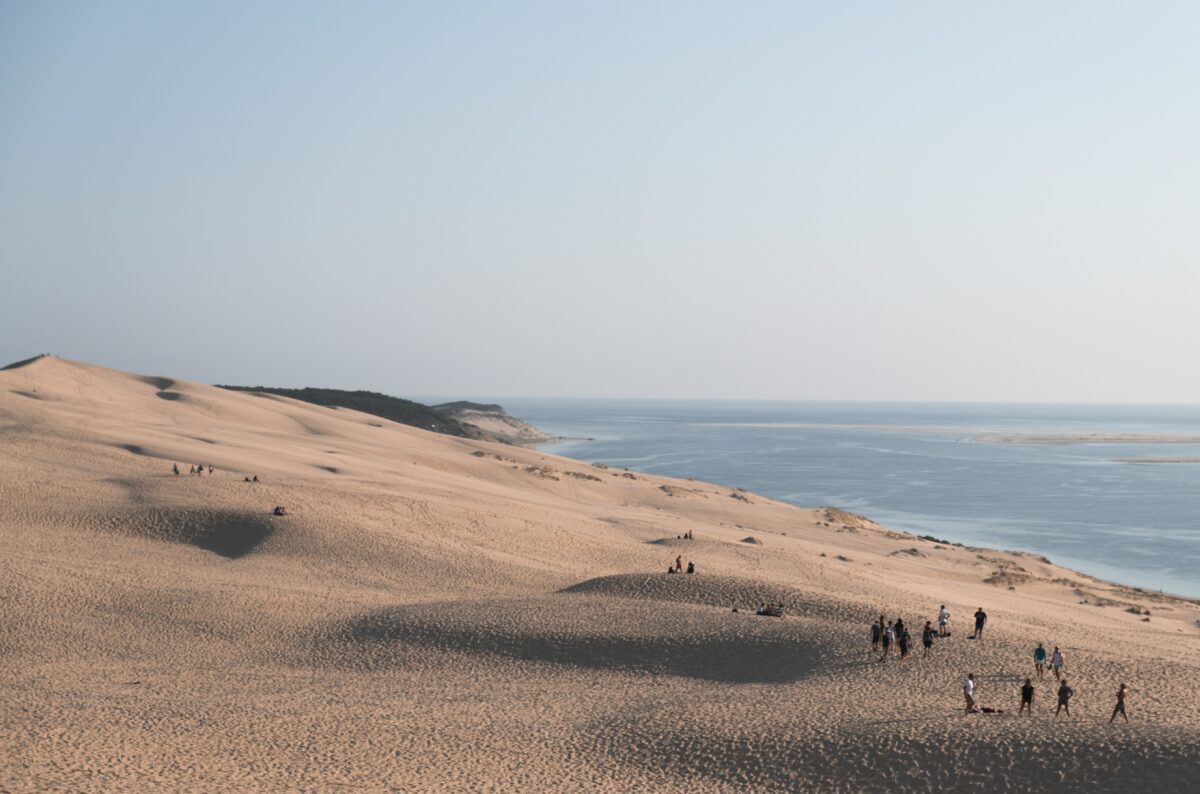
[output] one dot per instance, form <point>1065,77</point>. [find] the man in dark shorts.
<point>1026,697</point>
<point>980,619</point>
<point>876,634</point>
<point>1039,660</point>
<point>1120,707</point>
<point>927,635</point>
<point>1064,698</point>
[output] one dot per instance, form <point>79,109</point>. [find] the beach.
<point>436,613</point>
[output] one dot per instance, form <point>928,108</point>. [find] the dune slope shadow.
<point>598,634</point>
<point>229,533</point>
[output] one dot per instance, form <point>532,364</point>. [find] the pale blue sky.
<point>945,201</point>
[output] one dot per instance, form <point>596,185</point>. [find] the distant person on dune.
<point>679,564</point>
<point>1064,698</point>
<point>943,621</point>
<point>980,620</point>
<point>889,636</point>
<point>1039,660</point>
<point>969,692</point>
<point>691,567</point>
<point>1026,698</point>
<point>876,634</point>
<point>927,635</point>
<point>175,468</point>
<point>1120,707</point>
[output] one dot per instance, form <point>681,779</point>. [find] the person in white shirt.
<point>1056,662</point>
<point>943,619</point>
<point>969,691</point>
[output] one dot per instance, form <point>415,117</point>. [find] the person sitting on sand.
<point>980,619</point>
<point>927,635</point>
<point>1056,662</point>
<point>255,479</point>
<point>943,620</point>
<point>876,634</point>
<point>762,608</point>
<point>1064,698</point>
<point>969,692</point>
<point>210,469</point>
<point>889,635</point>
<point>670,569</point>
<point>175,468</point>
<point>1026,698</point>
<point>691,567</point>
<point>1120,707</point>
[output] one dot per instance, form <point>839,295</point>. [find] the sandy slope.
<point>439,614</point>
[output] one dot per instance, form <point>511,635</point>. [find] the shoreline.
<point>970,546</point>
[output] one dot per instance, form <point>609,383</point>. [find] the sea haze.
<point>921,468</point>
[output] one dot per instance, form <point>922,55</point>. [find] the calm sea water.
<point>1134,523</point>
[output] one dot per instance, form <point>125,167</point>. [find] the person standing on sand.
<point>980,619</point>
<point>1064,698</point>
<point>927,635</point>
<point>1026,698</point>
<point>904,640</point>
<point>1056,662</point>
<point>1039,660</point>
<point>175,468</point>
<point>943,619</point>
<point>1120,707</point>
<point>969,691</point>
<point>889,634</point>
<point>876,635</point>
<point>679,564</point>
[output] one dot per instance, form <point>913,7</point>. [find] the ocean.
<point>922,468</point>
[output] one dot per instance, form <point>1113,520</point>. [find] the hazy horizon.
<point>925,203</point>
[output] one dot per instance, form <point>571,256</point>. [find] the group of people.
<point>677,566</point>
<point>894,634</point>
<point>1065,693</point>
<point>197,470</point>
<point>943,620</point>
<point>686,536</point>
<point>771,610</point>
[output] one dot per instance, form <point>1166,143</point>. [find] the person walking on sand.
<point>1120,707</point>
<point>1064,698</point>
<point>943,619</point>
<point>980,619</point>
<point>1039,660</point>
<point>876,635</point>
<point>889,636</point>
<point>927,635</point>
<point>1057,662</point>
<point>969,691</point>
<point>679,564</point>
<point>904,641</point>
<point>1026,698</point>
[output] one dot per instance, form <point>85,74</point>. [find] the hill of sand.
<point>436,613</point>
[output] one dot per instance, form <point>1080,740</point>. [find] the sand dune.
<point>436,613</point>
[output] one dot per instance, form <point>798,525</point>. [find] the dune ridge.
<point>442,613</point>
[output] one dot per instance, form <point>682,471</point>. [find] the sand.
<point>438,614</point>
